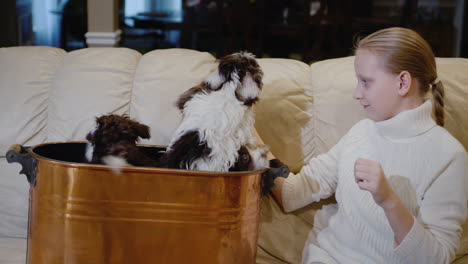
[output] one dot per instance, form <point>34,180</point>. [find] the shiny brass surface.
<point>82,213</point>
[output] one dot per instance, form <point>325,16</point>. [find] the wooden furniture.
<point>280,28</point>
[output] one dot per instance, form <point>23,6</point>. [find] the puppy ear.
<point>142,131</point>
<point>215,80</point>
<point>90,136</point>
<point>229,68</point>
<point>101,120</point>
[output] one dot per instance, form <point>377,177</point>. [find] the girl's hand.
<point>370,177</point>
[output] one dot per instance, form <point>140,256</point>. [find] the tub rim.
<point>179,172</point>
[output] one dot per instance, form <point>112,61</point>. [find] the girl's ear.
<point>405,81</point>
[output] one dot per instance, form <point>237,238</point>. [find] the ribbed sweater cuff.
<point>411,240</point>
<point>287,193</point>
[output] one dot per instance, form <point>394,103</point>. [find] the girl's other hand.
<point>369,176</point>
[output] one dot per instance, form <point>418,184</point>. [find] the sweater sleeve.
<point>435,235</point>
<point>316,180</point>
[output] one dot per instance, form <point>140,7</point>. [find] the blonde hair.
<point>405,50</point>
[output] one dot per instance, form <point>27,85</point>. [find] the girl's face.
<point>377,89</point>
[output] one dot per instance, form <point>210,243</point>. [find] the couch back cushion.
<point>26,75</point>
<point>284,113</point>
<point>89,83</point>
<point>454,75</point>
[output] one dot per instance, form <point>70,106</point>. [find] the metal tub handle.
<point>21,155</point>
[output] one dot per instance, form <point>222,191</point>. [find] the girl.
<point>399,178</point>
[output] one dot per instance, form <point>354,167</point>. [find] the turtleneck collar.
<point>408,123</point>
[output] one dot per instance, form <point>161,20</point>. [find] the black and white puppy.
<point>113,142</point>
<point>218,121</point>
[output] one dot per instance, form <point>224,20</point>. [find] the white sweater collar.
<point>408,123</point>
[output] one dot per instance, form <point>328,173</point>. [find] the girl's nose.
<point>357,93</point>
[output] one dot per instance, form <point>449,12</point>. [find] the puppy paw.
<point>115,162</point>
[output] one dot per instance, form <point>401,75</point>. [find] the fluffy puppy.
<point>113,142</point>
<point>217,117</point>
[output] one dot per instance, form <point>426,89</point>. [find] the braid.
<point>438,94</point>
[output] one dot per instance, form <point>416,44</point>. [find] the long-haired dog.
<point>114,142</point>
<point>217,126</point>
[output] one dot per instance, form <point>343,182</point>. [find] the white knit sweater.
<point>427,168</point>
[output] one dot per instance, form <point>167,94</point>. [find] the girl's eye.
<point>364,83</point>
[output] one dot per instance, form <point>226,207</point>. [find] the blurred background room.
<point>307,30</point>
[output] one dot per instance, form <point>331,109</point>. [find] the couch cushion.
<point>454,75</point>
<point>161,76</point>
<point>13,250</point>
<point>26,74</point>
<point>334,110</point>
<point>14,197</point>
<point>284,111</point>
<point>89,83</point>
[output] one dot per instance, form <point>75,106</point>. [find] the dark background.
<point>268,28</point>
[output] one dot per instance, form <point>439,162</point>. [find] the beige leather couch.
<point>49,95</point>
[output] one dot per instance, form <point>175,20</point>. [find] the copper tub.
<point>81,213</point>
